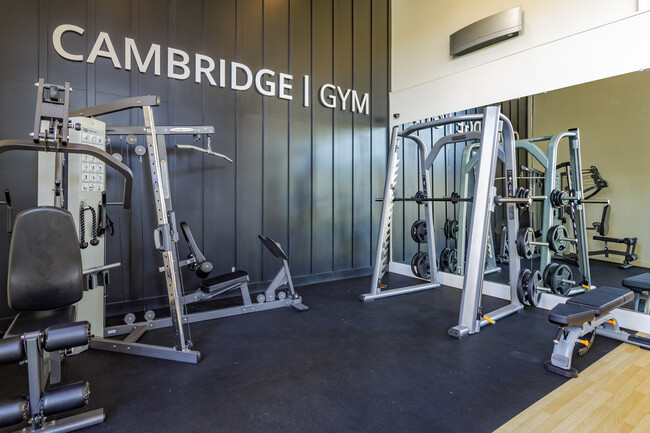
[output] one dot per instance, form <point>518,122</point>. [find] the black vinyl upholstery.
<point>220,281</point>
<point>638,283</point>
<point>29,321</point>
<point>603,299</point>
<point>45,271</point>
<point>603,227</point>
<point>589,305</point>
<point>569,315</point>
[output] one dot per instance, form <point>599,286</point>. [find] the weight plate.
<point>419,231</point>
<point>532,288</point>
<point>548,270</point>
<point>453,261</point>
<point>129,318</point>
<point>419,195</point>
<point>556,238</point>
<point>453,229</point>
<point>522,280</point>
<point>444,259</point>
<point>422,265</point>
<point>414,263</point>
<point>524,239</point>
<point>454,197</point>
<point>149,315</point>
<point>522,193</point>
<point>558,277</point>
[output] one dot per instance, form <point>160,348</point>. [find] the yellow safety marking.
<point>585,342</point>
<point>489,320</point>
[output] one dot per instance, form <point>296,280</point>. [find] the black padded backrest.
<point>273,247</point>
<point>603,228</point>
<point>45,270</point>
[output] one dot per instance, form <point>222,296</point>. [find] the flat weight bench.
<point>587,314</point>
<point>640,285</point>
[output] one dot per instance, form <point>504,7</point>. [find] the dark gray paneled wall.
<point>304,176</point>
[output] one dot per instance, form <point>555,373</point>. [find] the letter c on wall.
<point>56,40</point>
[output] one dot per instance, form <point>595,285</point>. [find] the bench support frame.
<point>605,325</point>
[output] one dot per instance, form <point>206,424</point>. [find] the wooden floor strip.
<point>612,395</point>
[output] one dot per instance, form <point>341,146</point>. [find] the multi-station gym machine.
<point>78,182</point>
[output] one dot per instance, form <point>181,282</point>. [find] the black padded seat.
<point>603,299</point>
<point>638,283</point>
<point>569,315</point>
<point>29,321</point>
<point>225,280</point>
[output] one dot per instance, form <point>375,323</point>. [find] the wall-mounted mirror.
<point>573,243</point>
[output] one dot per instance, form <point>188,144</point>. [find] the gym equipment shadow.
<point>344,366</point>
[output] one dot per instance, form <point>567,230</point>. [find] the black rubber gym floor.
<point>342,366</point>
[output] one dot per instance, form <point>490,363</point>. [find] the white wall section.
<point>562,44</point>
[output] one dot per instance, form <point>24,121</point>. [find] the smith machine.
<point>471,317</point>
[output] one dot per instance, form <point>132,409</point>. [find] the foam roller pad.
<point>64,398</point>
<point>11,350</point>
<point>14,411</point>
<point>66,336</point>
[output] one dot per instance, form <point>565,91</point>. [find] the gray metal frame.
<point>575,160</point>
<point>38,371</point>
<point>383,255</point>
<point>468,163</point>
<point>166,238</point>
<point>471,318</point>
<point>606,325</point>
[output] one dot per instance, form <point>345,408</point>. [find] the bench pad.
<point>603,299</point>
<point>638,283</point>
<point>221,281</point>
<point>569,315</point>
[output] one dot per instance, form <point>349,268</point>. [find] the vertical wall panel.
<point>322,118</point>
<point>361,170</point>
<point>343,138</point>
<point>305,175</point>
<point>379,108</point>
<point>249,141</point>
<point>219,200</point>
<point>276,132</point>
<point>300,151</point>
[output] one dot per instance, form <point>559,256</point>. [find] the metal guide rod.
<point>470,317</point>
<point>163,205</point>
<point>580,221</point>
<point>381,251</point>
<point>499,200</point>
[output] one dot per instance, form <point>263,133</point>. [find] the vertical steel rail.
<point>382,252</point>
<point>512,215</point>
<point>428,208</point>
<point>166,230</point>
<point>581,221</point>
<point>483,192</point>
